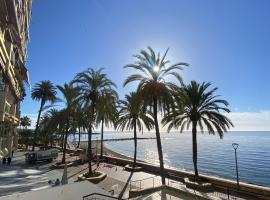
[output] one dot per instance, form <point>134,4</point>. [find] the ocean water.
<point>215,156</point>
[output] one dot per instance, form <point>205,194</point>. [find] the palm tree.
<point>45,130</point>
<point>44,92</point>
<point>25,134</point>
<point>133,114</point>
<point>93,84</point>
<point>80,122</point>
<point>106,113</point>
<point>197,106</point>
<point>55,123</point>
<point>70,100</point>
<point>25,122</point>
<point>153,88</point>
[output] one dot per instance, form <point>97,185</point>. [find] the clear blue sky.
<point>226,42</point>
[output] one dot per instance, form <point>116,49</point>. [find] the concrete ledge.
<point>130,168</point>
<point>203,186</point>
<point>96,179</point>
<point>135,193</point>
<point>60,166</point>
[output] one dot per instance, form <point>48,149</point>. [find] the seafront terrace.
<point>20,177</point>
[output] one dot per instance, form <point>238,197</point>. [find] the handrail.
<point>99,194</point>
<point>144,179</point>
<point>230,190</point>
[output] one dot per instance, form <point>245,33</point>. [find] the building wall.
<point>15,18</point>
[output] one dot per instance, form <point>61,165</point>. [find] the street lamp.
<point>235,146</point>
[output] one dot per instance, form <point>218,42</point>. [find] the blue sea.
<point>215,156</point>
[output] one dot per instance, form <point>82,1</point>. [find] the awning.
<point>25,74</point>
<point>23,70</point>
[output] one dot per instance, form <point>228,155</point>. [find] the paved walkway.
<point>21,177</point>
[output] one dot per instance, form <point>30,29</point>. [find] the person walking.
<point>4,160</point>
<point>9,160</point>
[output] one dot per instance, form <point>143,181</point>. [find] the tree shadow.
<point>125,186</point>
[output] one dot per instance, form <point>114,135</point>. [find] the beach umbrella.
<point>64,177</point>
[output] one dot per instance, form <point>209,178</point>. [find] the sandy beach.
<point>106,150</point>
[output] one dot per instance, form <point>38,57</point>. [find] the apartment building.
<point>15,16</point>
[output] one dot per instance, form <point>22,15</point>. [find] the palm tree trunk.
<point>37,124</point>
<point>159,146</point>
<point>62,139</point>
<point>90,150</point>
<point>79,142</point>
<point>90,140</point>
<point>135,143</point>
<point>65,144</point>
<point>194,147</point>
<point>101,140</point>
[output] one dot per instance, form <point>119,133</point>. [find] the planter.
<point>60,165</point>
<point>131,169</point>
<point>95,179</point>
<point>198,185</point>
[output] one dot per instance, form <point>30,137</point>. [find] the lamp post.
<point>235,146</point>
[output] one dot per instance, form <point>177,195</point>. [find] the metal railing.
<point>232,193</point>
<point>226,193</point>
<point>98,196</point>
<point>138,184</point>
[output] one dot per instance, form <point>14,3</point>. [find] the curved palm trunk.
<point>37,124</point>
<point>135,144</point>
<point>90,150</point>
<point>159,146</point>
<point>79,142</point>
<point>90,171</point>
<point>101,141</point>
<point>65,144</point>
<point>194,147</point>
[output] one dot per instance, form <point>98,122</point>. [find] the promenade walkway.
<point>21,177</point>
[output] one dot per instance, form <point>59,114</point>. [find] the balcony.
<point>11,118</point>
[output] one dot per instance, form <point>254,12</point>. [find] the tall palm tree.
<point>25,134</point>
<point>106,113</point>
<point>92,83</point>
<point>25,122</point>
<point>153,88</point>
<point>197,106</point>
<point>44,91</point>
<point>51,124</point>
<point>133,114</point>
<point>45,130</point>
<point>80,122</point>
<point>70,100</point>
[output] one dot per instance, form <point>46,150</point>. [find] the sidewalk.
<point>21,177</point>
